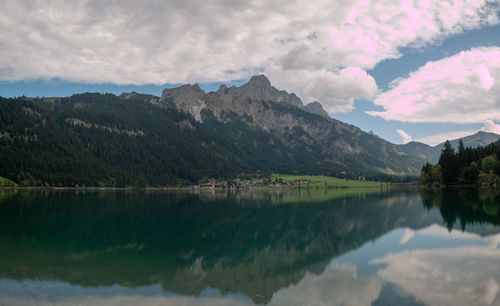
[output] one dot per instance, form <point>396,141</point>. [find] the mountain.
<point>479,139</point>
<point>244,100</point>
<point>263,107</point>
<point>185,136</point>
<point>432,153</point>
<point>419,149</point>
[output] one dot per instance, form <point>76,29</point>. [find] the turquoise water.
<point>405,247</point>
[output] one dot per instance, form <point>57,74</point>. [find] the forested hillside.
<point>106,140</point>
<point>184,137</point>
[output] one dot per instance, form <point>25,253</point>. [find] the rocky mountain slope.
<point>184,137</point>
<point>283,114</point>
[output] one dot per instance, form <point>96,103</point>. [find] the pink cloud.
<point>484,75</point>
<point>335,90</point>
<point>464,88</point>
<point>375,30</point>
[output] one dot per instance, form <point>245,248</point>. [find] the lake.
<point>299,247</point>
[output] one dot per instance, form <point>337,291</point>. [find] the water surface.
<point>308,247</point>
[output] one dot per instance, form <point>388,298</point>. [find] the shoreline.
<point>207,189</point>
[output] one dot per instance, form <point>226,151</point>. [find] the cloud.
<point>408,234</point>
<point>338,285</point>
<point>154,41</point>
<point>335,90</point>
<point>463,88</point>
<point>404,136</point>
<point>444,276</point>
<point>439,231</point>
<point>491,127</point>
<point>467,275</point>
<point>493,241</point>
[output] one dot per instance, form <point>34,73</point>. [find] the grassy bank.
<point>326,181</point>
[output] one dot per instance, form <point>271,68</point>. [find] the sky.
<point>408,70</point>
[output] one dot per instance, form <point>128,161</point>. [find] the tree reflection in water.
<point>259,244</point>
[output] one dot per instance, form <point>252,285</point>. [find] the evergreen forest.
<point>465,166</point>
<point>104,140</point>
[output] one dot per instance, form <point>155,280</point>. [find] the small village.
<point>239,184</point>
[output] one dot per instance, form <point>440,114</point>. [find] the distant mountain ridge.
<point>431,153</point>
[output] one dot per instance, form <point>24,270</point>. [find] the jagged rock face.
<point>316,108</point>
<point>258,99</point>
<point>190,98</point>
<point>284,115</point>
<point>259,87</point>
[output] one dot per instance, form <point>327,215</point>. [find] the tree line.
<point>464,166</point>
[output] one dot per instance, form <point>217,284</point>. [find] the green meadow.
<point>326,181</point>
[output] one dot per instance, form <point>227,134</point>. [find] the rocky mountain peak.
<point>128,95</point>
<point>184,94</point>
<point>259,87</point>
<point>222,88</point>
<point>187,97</point>
<point>316,108</point>
<point>260,81</point>
<point>145,97</point>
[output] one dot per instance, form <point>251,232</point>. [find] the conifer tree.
<point>461,158</point>
<point>448,163</point>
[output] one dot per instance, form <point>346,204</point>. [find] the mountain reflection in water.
<point>313,247</point>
